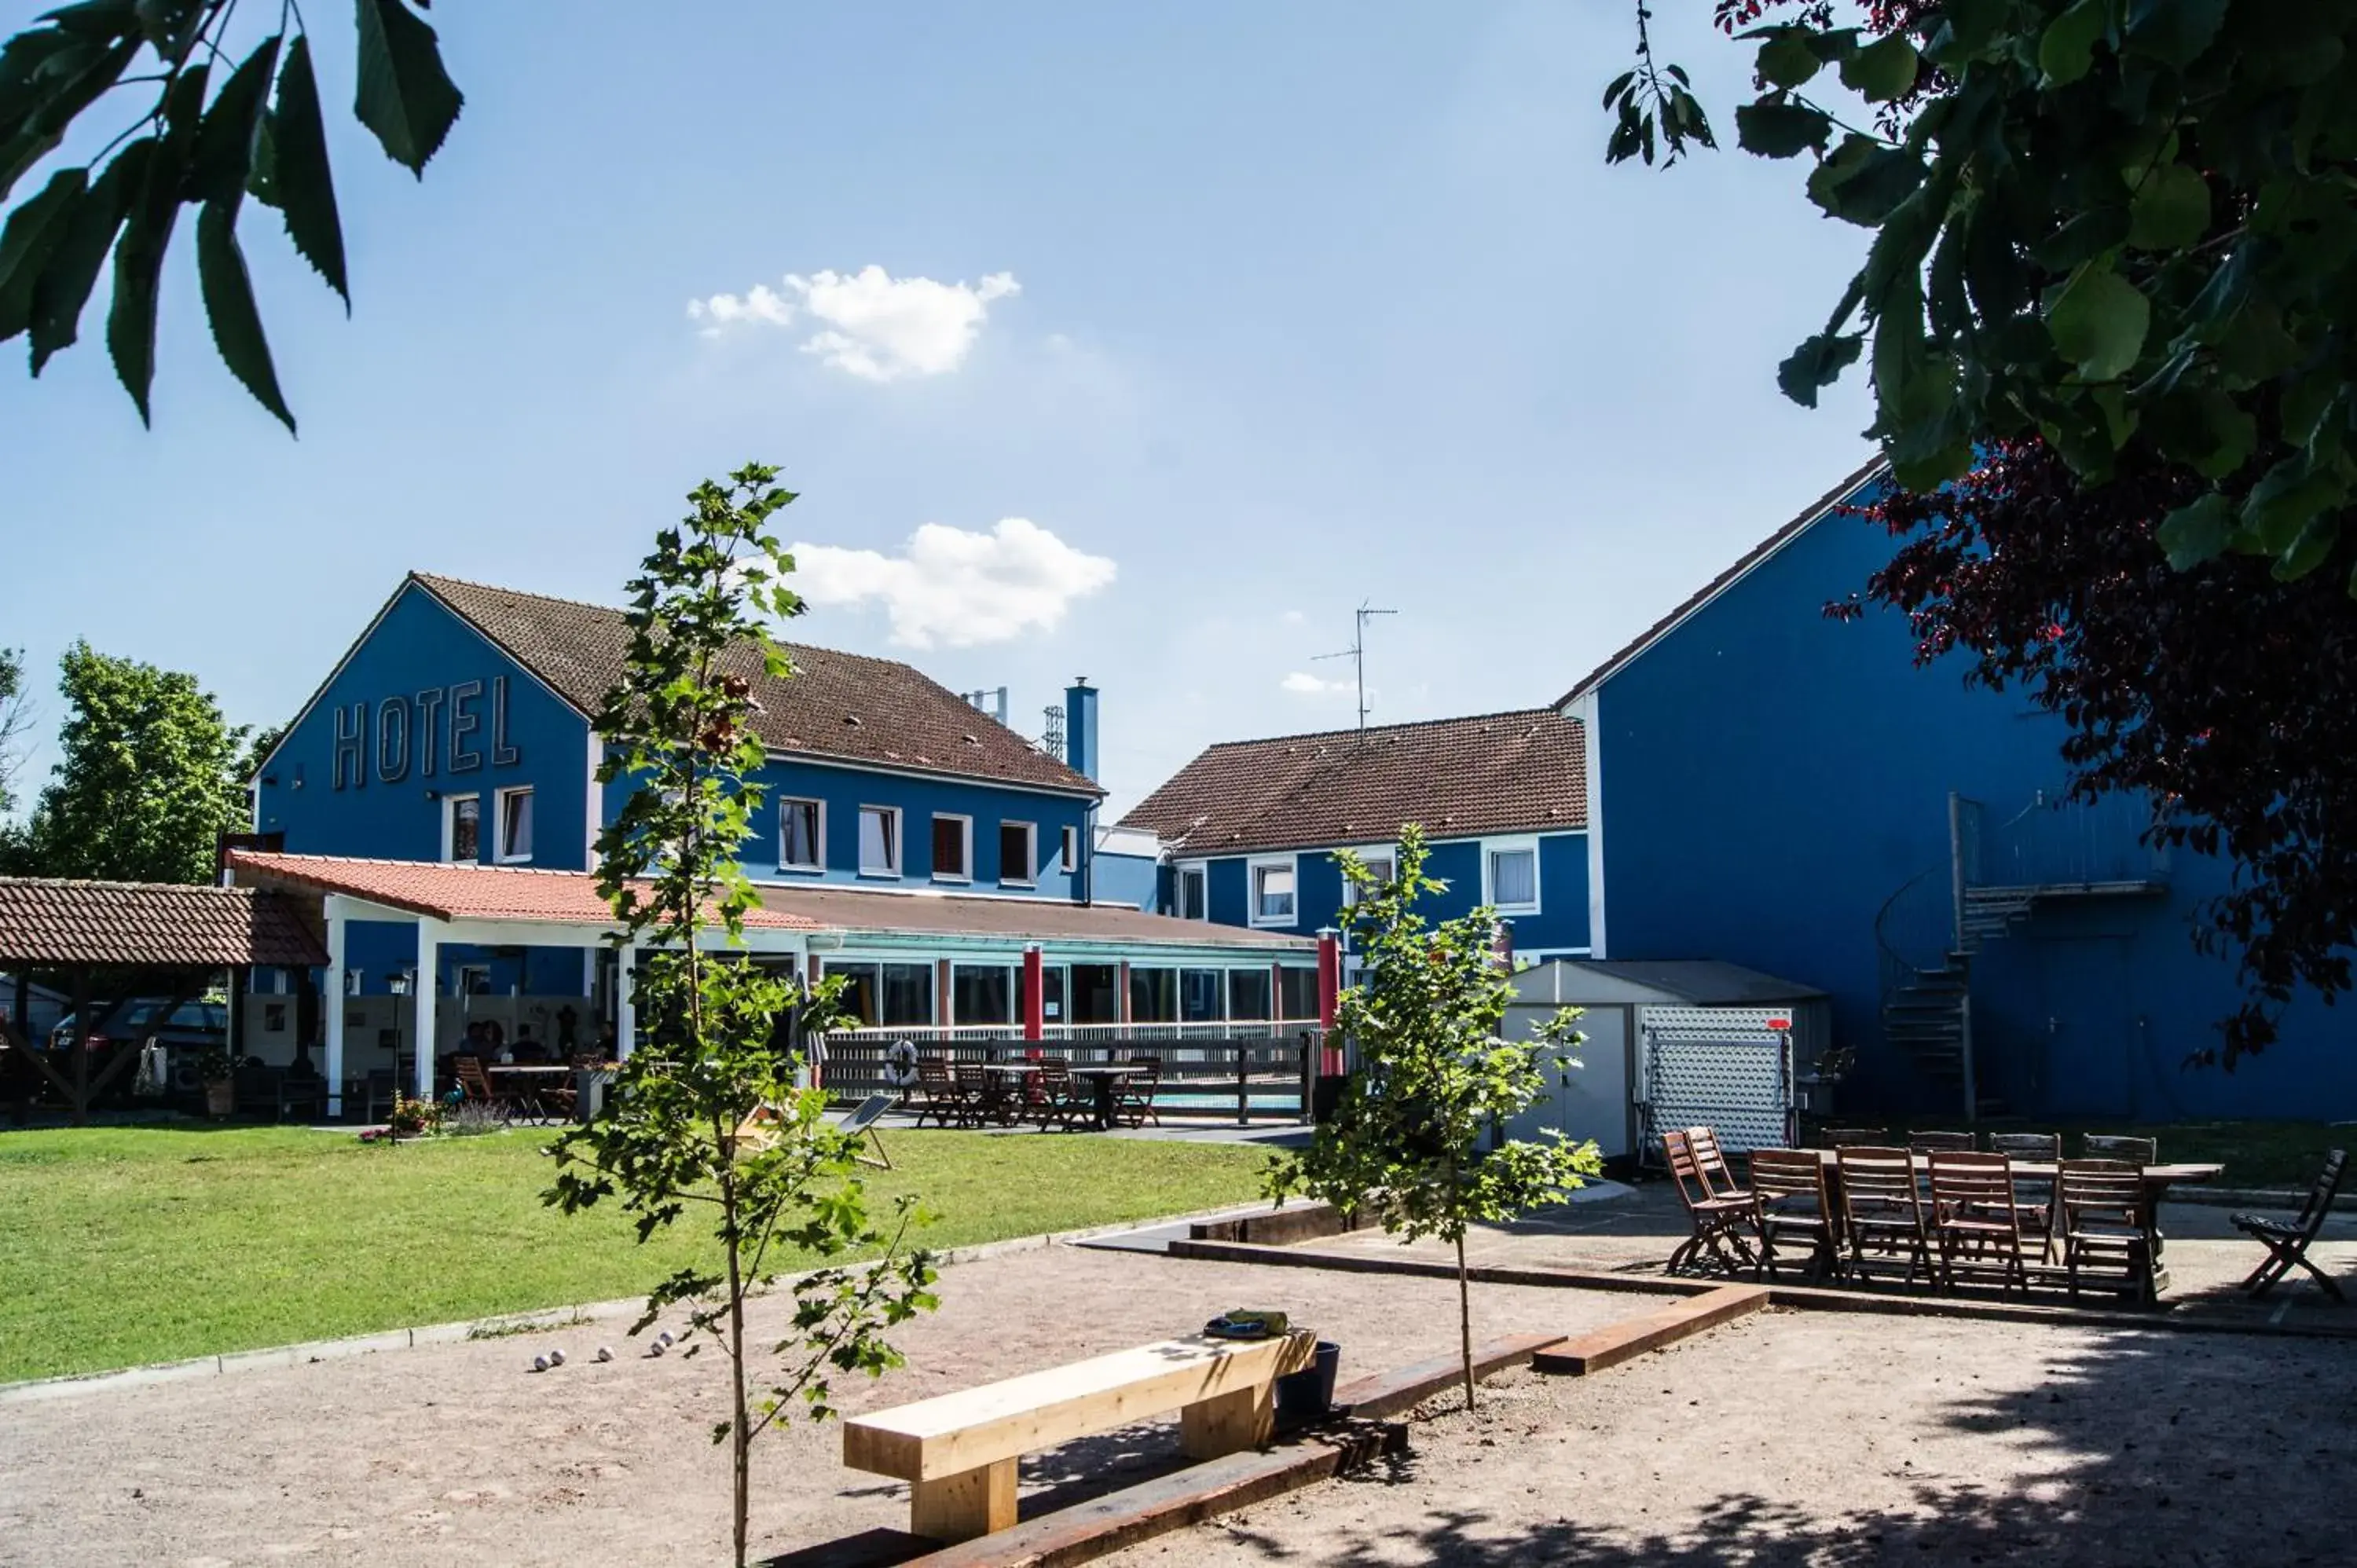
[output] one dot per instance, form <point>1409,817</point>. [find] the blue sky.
<point>1311,304</point>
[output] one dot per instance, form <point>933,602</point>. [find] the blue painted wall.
<point>1561,922</point>
<point>1132,881</point>
<point>843,791</point>
<point>1770,778</point>
<point>373,797</point>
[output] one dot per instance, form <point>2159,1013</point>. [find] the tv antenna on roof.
<point>1357,652</point>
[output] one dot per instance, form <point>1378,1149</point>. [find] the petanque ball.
<point>604,1353</point>
<point>540,1363</point>
<point>556,1358</point>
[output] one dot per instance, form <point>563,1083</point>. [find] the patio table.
<point>2157,1179</point>
<point>529,1078</point>
<point>1106,1083</point>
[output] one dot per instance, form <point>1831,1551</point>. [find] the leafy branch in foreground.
<point>2120,227</point>
<point>707,1113</point>
<point>1418,1137</point>
<point>213,136</point>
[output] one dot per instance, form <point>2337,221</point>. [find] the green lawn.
<point>125,1245</point>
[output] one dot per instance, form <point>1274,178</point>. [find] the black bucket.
<point>1307,1395</point>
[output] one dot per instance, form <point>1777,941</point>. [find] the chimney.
<point>1081,727</point>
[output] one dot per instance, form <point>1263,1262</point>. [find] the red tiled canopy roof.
<point>446,891</point>
<point>1516,772</point>
<point>46,922</point>
<point>835,704</point>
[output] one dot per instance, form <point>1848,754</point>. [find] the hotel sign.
<point>442,730</point>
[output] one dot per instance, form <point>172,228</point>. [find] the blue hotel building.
<point>439,793</point>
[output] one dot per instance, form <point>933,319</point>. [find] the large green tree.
<point>235,113</point>
<point>150,776</point>
<point>16,718</point>
<point>2123,228</point>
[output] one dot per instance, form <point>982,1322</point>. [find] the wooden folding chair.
<point>981,1098</point>
<point>1058,1099</point>
<point>2287,1243</point>
<point>1882,1210</point>
<point>1718,1213</point>
<point>1855,1137</point>
<point>2120,1147</point>
<point>475,1084</point>
<point>1972,1211</point>
<point>1789,1198</point>
<point>1950,1142</point>
<point>936,1093</point>
<point>2035,1195</point>
<point>1134,1093</point>
<point>2102,1219</point>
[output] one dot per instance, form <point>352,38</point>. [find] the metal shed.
<point>1674,1043</point>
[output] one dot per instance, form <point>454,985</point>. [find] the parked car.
<point>192,1029</point>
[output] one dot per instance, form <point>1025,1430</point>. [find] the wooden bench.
<point>959,1451</point>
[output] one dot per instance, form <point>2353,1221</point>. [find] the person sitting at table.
<point>495,1041</point>
<point>528,1049</point>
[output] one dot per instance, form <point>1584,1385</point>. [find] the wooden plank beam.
<point>1626,1341</point>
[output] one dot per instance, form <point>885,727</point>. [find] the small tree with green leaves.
<point>1418,1135</point>
<point>707,1113</point>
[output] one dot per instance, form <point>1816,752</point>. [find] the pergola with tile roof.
<point>110,941</point>
<point>467,904</point>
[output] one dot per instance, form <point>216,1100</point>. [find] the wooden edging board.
<point>1632,1337</point>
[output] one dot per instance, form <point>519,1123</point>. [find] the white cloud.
<point>869,324</point>
<point>1302,683</point>
<point>957,588</point>
<point>1293,617</point>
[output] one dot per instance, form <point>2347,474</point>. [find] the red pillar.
<point>1330,998</point>
<point>1035,994</point>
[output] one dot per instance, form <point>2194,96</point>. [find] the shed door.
<point>2090,1029</point>
<point>1590,1101</point>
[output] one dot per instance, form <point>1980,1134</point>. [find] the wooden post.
<point>980,1501</point>
<point>1228,1423</point>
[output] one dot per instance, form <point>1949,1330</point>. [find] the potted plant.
<point>215,1071</point>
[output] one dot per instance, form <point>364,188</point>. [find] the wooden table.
<point>535,1076</point>
<point>1106,1081</point>
<point>2157,1179</point>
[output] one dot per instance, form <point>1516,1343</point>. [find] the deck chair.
<point>2286,1243</point>
<point>936,1093</point>
<point>863,1119</point>
<point>1718,1209</point>
<point>1789,1199</point>
<point>1882,1210</point>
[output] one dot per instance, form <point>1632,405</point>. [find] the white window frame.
<point>1180,872</point>
<point>1490,847</point>
<point>1068,851</point>
<point>500,853</point>
<point>451,828</point>
<point>818,841</point>
<point>965,827</point>
<point>1030,877</point>
<point>900,842</point>
<point>1386,852</point>
<point>1291,866</point>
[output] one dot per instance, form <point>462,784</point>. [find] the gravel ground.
<point>454,1454</point>
<point>1832,1440</point>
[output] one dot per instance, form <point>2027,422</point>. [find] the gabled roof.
<point>1727,579</point>
<point>49,922</point>
<point>837,706</point>
<point>442,890</point>
<point>1524,771</point>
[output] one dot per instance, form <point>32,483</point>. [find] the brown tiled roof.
<point>446,891</point>
<point>1034,919</point>
<point>1519,772</point>
<point>455,892</point>
<point>1710,590</point>
<point>151,925</point>
<point>839,705</point>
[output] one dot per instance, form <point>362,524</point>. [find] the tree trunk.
<point>740,1429</point>
<point>1464,1319</point>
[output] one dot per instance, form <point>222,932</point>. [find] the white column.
<point>333,1005</point>
<point>626,1000</point>
<point>421,997</point>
